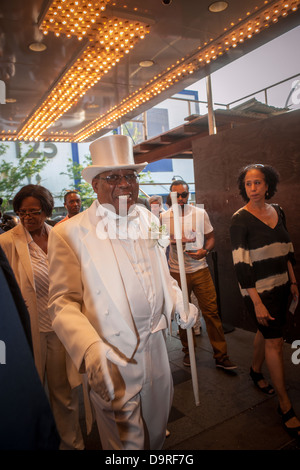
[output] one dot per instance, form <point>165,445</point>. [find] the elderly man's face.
<point>110,185</point>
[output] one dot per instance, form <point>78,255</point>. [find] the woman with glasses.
<point>26,249</point>
<point>263,257</point>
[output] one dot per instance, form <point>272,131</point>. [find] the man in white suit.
<point>112,297</point>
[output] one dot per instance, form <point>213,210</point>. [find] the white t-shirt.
<point>194,223</point>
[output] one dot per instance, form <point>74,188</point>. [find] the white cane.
<point>178,238</point>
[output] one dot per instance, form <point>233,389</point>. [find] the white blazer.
<point>87,299</point>
<point>15,246</point>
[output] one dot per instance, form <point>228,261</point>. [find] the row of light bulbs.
<point>73,18</point>
<point>230,39</point>
<point>99,57</point>
<point>115,37</point>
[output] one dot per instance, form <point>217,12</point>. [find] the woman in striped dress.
<point>263,257</point>
<point>25,247</point>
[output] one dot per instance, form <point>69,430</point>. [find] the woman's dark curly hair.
<point>37,191</point>
<point>271,178</point>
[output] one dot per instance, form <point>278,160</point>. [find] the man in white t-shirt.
<point>198,240</point>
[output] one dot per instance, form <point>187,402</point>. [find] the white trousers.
<point>138,420</point>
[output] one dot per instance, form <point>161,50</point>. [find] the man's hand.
<point>199,254</point>
<point>191,319</point>
<point>97,369</point>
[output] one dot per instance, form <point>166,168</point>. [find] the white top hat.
<point>113,152</point>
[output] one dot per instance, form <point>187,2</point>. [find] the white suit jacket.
<point>15,246</point>
<point>87,299</point>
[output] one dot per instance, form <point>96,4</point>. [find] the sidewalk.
<point>233,414</point>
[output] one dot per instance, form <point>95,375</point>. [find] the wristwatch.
<point>207,251</point>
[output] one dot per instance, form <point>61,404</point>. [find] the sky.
<point>268,64</point>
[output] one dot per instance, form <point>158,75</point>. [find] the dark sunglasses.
<point>113,180</point>
<point>183,195</point>
<point>254,165</point>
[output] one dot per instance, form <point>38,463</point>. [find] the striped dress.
<point>260,254</point>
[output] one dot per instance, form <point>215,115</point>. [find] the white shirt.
<point>39,263</point>
<point>129,232</point>
<point>195,223</point>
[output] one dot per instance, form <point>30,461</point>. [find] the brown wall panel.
<point>217,160</point>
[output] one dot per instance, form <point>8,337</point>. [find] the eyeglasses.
<point>113,180</point>
<point>183,195</point>
<point>23,214</point>
<point>254,165</point>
